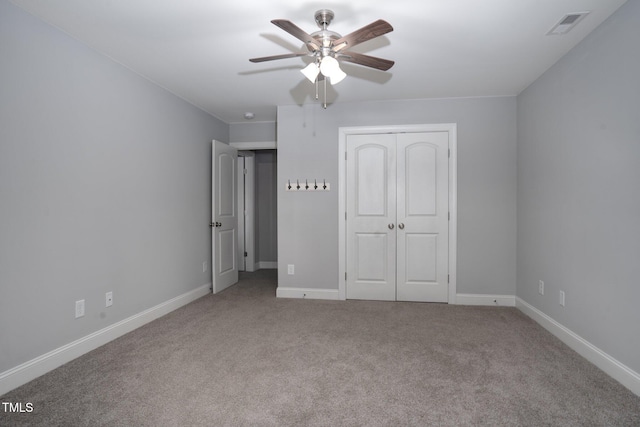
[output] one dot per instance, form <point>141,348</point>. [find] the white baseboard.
<point>617,370</point>
<point>332,294</point>
<point>266,265</point>
<point>481,299</point>
<point>34,368</point>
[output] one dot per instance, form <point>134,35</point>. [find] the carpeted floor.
<point>245,358</point>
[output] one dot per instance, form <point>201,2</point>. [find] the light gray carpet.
<point>243,357</point>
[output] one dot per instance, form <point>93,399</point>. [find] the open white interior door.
<point>224,216</point>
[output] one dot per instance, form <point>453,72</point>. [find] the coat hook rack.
<point>307,185</point>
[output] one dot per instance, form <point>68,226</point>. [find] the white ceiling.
<point>200,50</point>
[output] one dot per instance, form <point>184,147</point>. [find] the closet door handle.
<point>401,226</point>
<point>391,226</point>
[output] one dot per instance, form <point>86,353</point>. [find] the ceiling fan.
<point>327,47</point>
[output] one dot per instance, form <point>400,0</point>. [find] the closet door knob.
<point>401,226</point>
<point>391,226</point>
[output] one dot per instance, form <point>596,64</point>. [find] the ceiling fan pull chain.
<point>325,93</point>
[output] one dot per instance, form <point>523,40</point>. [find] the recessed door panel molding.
<point>226,251</point>
<point>226,174</point>
<point>422,260</point>
<point>371,251</point>
<point>420,175</point>
<point>400,185</point>
<point>371,163</point>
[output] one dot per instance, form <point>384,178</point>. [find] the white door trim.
<point>246,211</point>
<point>343,132</point>
<point>260,145</point>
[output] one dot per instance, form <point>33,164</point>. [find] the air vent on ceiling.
<point>567,23</point>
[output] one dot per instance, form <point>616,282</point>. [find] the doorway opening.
<point>257,206</point>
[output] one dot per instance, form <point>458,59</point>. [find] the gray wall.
<point>252,132</point>
<point>104,186</point>
<point>266,206</point>
<point>308,222</point>
<point>579,188</point>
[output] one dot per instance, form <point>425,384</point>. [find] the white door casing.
<point>418,221</point>
<point>224,213</point>
<point>241,249</point>
<point>246,211</point>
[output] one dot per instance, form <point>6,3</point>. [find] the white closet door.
<point>371,217</point>
<point>422,210</point>
<point>397,217</point>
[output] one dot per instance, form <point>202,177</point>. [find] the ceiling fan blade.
<point>274,57</point>
<point>291,28</point>
<point>366,60</point>
<point>365,33</point>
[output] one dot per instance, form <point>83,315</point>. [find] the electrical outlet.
<point>540,287</point>
<point>290,269</point>
<point>79,308</point>
<point>205,266</point>
<point>109,299</point>
<point>562,298</point>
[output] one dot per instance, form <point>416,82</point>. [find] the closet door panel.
<point>371,215</point>
<point>422,212</point>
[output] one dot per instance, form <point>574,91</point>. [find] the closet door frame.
<point>343,132</point>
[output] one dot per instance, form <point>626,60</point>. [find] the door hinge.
<point>449,152</point>
<point>449,216</point>
<point>447,278</point>
<point>246,254</point>
<point>245,171</point>
<point>345,275</point>
<point>345,155</point>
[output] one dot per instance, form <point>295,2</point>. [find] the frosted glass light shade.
<point>311,71</point>
<point>337,76</point>
<point>329,67</point>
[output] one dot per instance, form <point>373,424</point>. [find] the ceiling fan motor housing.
<point>324,17</point>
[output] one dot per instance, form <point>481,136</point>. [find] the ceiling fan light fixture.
<point>311,71</point>
<point>325,45</point>
<point>337,76</point>
<point>329,67</point>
